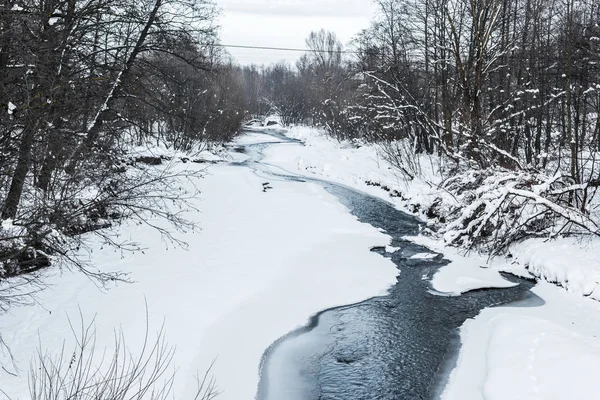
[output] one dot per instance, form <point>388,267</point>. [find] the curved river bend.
<point>399,346</point>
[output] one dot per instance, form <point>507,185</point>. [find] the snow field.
<point>573,263</point>
<point>263,263</point>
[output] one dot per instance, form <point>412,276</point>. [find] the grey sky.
<point>287,23</point>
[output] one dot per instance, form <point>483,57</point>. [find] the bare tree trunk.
<point>571,140</point>
<point>55,149</point>
<point>13,198</point>
<point>93,129</point>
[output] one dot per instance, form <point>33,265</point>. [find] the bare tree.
<point>491,88</point>
<point>79,82</point>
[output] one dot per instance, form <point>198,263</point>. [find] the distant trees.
<point>329,81</point>
<point>255,96</point>
<point>181,100</point>
<point>485,85</point>
<point>317,90</point>
<point>288,93</point>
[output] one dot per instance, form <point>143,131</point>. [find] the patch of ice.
<point>424,256</point>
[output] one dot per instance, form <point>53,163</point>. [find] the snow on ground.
<point>545,352</point>
<point>326,158</point>
<point>262,264</point>
<point>347,164</point>
<point>356,165</point>
<point>573,263</point>
<point>464,273</point>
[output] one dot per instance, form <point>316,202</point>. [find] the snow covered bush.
<point>499,207</point>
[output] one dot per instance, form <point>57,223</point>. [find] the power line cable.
<point>238,46</point>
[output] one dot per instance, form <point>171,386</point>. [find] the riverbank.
<point>571,263</point>
<point>271,254</point>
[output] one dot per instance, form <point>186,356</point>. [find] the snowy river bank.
<point>281,291</point>
<point>546,345</point>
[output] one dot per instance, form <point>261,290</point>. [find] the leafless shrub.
<point>402,156</point>
<point>56,226</point>
<point>86,373</point>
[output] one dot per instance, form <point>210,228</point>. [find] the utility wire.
<point>237,46</point>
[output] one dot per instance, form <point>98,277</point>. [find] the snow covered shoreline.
<point>265,261</point>
<point>572,263</point>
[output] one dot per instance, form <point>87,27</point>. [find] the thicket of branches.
<point>80,83</point>
<point>498,86</point>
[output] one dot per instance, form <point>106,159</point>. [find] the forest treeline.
<point>506,93</point>
<point>80,83</point>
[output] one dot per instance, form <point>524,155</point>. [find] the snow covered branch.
<point>499,207</point>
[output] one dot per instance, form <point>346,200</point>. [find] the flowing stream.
<point>399,346</point>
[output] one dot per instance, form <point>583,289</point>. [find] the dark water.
<point>399,346</point>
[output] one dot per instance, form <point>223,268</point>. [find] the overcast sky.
<point>287,23</point>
